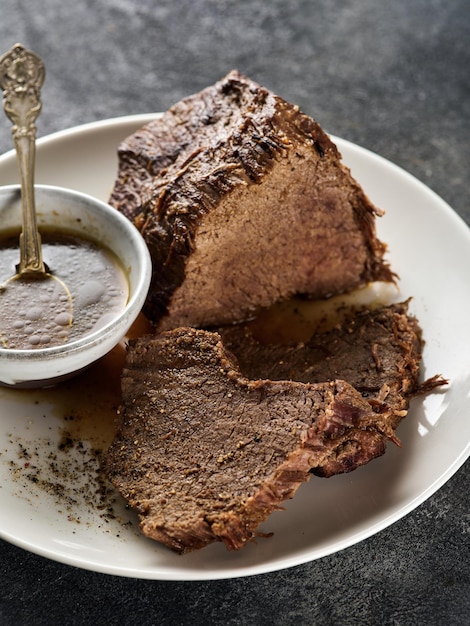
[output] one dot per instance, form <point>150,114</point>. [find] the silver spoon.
<point>33,301</point>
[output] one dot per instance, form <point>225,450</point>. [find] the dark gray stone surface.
<point>391,76</point>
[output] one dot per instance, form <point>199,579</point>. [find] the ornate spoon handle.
<point>21,77</point>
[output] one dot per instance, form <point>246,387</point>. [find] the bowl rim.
<point>137,296</point>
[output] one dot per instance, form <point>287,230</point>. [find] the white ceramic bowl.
<point>79,214</point>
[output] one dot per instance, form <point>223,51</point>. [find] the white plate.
<point>429,247</point>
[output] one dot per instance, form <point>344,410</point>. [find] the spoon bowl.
<point>75,213</point>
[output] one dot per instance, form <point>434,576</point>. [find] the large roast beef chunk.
<point>243,201</point>
<point>207,447</point>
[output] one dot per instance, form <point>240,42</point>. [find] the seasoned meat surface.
<point>243,201</point>
<point>205,454</point>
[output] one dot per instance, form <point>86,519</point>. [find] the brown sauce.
<point>297,319</point>
<point>44,316</point>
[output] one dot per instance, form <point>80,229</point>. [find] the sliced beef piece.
<point>205,454</point>
<point>243,201</point>
<point>378,352</point>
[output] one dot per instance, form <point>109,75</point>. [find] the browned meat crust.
<point>231,189</point>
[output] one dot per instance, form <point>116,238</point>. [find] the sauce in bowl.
<point>94,276</point>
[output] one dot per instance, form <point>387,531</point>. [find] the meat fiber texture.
<point>205,453</point>
<point>243,201</point>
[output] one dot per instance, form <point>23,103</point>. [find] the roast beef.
<point>205,453</point>
<point>243,201</point>
<point>378,352</point>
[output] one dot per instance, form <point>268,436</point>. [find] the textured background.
<point>391,76</point>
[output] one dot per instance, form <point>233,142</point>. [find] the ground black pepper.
<point>53,453</point>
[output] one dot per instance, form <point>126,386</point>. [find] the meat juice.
<point>298,318</point>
